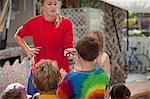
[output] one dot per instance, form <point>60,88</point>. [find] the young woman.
<point>52,36</point>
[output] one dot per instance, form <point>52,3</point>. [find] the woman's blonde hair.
<point>58,21</point>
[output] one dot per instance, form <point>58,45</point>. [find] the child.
<point>103,58</point>
<point>120,91</point>
<point>45,79</point>
<point>89,82</point>
<point>15,91</point>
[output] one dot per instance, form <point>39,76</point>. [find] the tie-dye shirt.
<point>84,85</point>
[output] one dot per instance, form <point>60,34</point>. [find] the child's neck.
<point>86,66</point>
<point>100,53</point>
<point>53,92</point>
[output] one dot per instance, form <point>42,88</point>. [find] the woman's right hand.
<point>29,51</point>
<point>33,51</point>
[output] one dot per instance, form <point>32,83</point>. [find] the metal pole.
<point>127,30</point>
<point>8,22</point>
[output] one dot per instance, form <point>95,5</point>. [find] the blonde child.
<point>45,78</point>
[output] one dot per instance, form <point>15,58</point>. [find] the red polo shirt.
<point>52,40</point>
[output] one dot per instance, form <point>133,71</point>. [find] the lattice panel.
<point>79,17</point>
<point>83,20</point>
<point>112,42</point>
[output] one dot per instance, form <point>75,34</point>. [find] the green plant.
<point>137,33</point>
<point>89,3</point>
<point>131,21</point>
<point>133,15</point>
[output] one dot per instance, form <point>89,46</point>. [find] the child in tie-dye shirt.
<point>89,82</point>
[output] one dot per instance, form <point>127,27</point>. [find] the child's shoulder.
<point>79,73</point>
<point>99,69</point>
<point>72,74</point>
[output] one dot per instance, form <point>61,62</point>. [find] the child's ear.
<point>78,56</point>
<point>34,83</point>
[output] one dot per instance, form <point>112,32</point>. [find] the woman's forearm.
<point>22,43</point>
<point>107,66</point>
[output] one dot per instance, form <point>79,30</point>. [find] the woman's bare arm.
<point>107,66</point>
<point>25,47</point>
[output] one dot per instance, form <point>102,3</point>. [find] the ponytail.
<point>58,20</point>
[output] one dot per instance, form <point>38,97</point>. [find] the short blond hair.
<point>46,75</point>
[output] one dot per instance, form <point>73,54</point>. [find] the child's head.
<point>45,76</point>
<point>88,48</point>
<point>120,91</point>
<point>98,35</point>
<point>12,94</point>
<point>15,91</point>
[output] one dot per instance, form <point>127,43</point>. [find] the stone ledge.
<point>11,52</point>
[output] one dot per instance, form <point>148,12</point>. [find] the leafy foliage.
<point>89,3</point>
